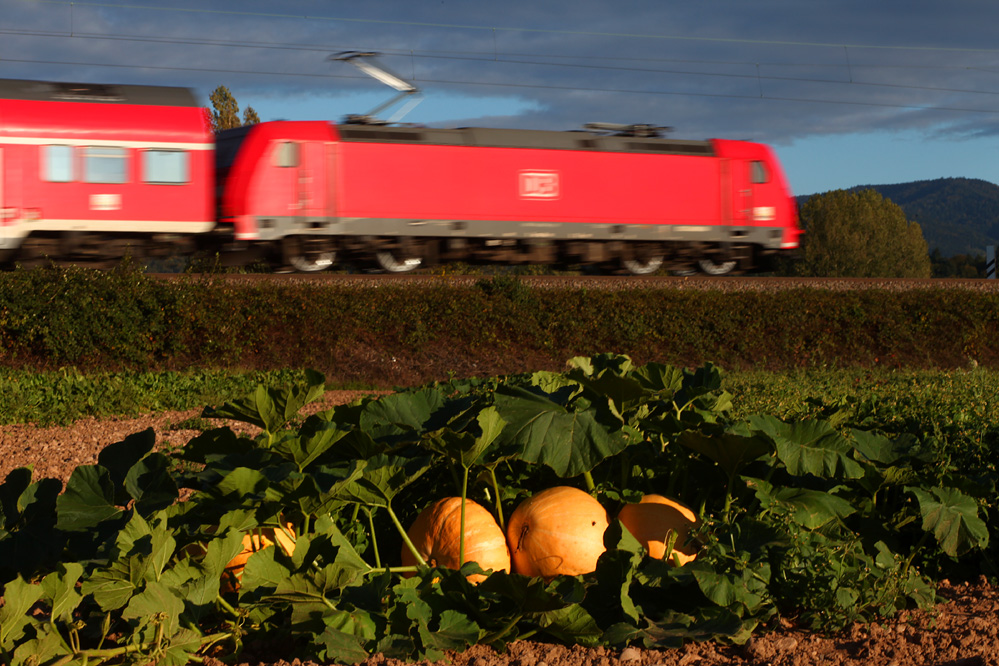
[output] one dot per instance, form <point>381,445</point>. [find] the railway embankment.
<point>424,328</point>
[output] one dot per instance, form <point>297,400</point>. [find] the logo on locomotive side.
<point>539,184</point>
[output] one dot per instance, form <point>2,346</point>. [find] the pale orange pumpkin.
<point>653,519</point>
<point>436,531</point>
<point>559,531</point>
<point>256,540</point>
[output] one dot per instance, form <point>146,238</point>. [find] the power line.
<point>509,59</point>
<point>486,28</point>
<point>472,55</point>
<point>521,59</point>
<point>619,91</point>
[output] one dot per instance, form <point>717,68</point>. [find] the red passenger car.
<point>403,195</point>
<point>89,172</point>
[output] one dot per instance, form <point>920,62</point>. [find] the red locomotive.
<point>92,172</point>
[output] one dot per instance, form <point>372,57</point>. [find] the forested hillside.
<point>957,215</point>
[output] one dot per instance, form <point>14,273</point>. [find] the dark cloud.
<point>768,70</point>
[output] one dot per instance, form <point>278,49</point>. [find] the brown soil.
<point>963,629</point>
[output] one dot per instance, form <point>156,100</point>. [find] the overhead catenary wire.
<point>538,60</point>
<point>912,107</point>
<point>487,28</point>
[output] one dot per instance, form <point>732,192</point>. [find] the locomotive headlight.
<point>764,213</point>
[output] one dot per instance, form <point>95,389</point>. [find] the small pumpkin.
<point>653,519</point>
<point>256,540</point>
<point>436,532</point>
<point>558,531</point>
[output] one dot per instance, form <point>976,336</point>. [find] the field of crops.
<point>824,497</point>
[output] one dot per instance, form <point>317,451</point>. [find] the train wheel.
<point>716,268</point>
<point>396,262</point>
<point>643,266</point>
<point>310,254</point>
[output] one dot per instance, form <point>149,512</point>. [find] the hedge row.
<point>126,320</point>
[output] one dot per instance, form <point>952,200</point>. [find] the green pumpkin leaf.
<point>271,409</point>
<point>182,645</point>
<point>19,597</point>
<point>732,448</point>
<point>400,415</point>
<point>810,447</point>
<point>156,603</point>
<point>455,631</point>
<point>48,647</point>
<point>952,517</point>
<point>88,500</point>
<point>545,432</point>
<point>151,484</point>
<point>572,624</point>
<point>120,457</point>
<point>340,646</point>
<point>876,448</point>
<point>314,439</point>
<point>809,508</point>
<point>60,590</point>
<point>17,481</point>
<point>382,479</point>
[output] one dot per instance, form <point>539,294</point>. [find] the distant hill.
<point>957,215</point>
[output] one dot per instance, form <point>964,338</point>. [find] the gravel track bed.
<point>694,283</point>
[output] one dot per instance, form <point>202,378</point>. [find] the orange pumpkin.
<point>256,540</point>
<point>436,531</point>
<point>653,519</point>
<point>559,531</point>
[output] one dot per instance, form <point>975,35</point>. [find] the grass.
<point>63,396</point>
<point>937,402</point>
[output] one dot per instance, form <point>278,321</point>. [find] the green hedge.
<point>391,335</point>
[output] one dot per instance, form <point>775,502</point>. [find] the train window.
<point>165,166</point>
<point>104,164</point>
<point>758,172</point>
<point>286,154</point>
<point>57,164</point>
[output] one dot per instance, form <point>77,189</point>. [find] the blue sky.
<point>848,93</point>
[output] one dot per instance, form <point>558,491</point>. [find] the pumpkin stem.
<point>499,505</point>
<point>461,539</point>
<point>374,537</point>
<point>405,537</point>
<point>520,538</point>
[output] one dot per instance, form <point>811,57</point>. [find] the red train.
<point>91,172</point>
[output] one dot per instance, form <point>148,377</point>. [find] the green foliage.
<point>860,234</point>
<point>964,266</point>
<point>806,517</point>
<point>250,116</point>
<point>54,317</point>
<point>65,395</point>
<point>225,111</point>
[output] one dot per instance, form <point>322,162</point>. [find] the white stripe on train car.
<point>20,228</point>
<point>96,141</point>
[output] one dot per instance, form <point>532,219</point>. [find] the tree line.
<point>224,113</point>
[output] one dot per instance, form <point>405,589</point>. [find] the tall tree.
<point>225,111</point>
<point>860,234</point>
<point>250,116</point>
